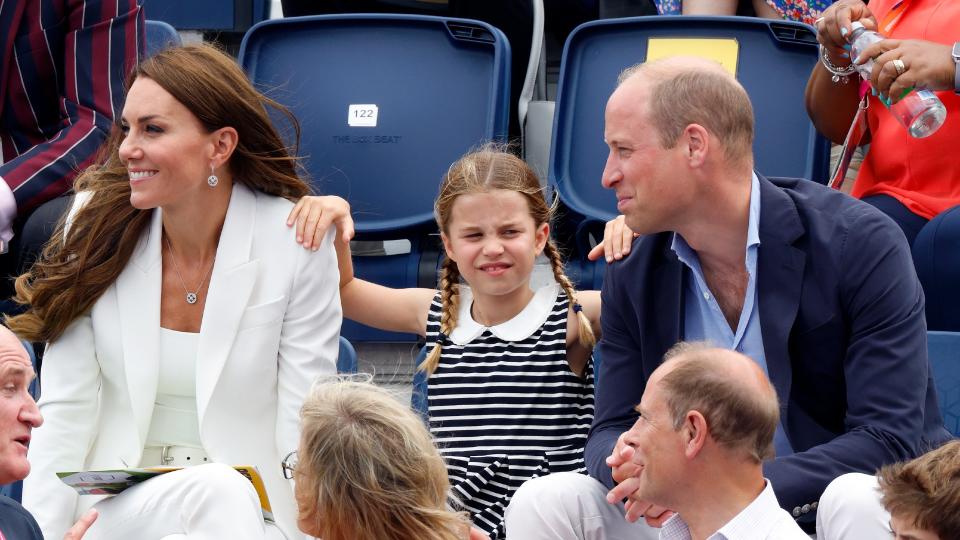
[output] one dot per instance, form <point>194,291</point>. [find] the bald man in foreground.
<point>817,288</point>
<point>707,419</point>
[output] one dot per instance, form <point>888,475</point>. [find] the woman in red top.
<point>911,180</point>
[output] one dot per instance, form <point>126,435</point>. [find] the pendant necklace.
<point>191,297</point>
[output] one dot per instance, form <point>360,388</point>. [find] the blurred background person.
<point>910,179</point>
<point>62,67</point>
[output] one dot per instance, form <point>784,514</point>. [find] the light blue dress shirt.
<point>703,319</point>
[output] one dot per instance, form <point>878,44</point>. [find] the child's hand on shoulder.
<point>617,239</point>
<point>313,215</point>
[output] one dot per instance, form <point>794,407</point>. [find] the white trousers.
<point>850,509</point>
<point>204,502</point>
<point>569,506</point>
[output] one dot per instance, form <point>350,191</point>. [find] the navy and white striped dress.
<point>504,406</point>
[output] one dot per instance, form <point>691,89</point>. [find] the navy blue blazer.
<point>844,334</point>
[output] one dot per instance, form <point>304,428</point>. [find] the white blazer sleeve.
<point>70,385</point>
<point>309,338</point>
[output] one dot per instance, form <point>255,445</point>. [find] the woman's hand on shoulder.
<point>313,215</point>
<point>617,239</point>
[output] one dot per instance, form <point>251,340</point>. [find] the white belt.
<point>174,456</point>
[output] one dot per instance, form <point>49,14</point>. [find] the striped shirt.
<point>504,406</point>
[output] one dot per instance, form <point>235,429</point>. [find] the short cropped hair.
<point>371,468</point>
<point>737,418</point>
<point>702,97</point>
<point>926,490</point>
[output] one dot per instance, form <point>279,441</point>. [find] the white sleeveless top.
<point>175,421</point>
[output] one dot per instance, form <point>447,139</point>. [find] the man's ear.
<point>696,139</point>
<point>694,434</point>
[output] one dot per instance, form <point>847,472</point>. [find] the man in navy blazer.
<point>817,287</point>
<point>62,67</point>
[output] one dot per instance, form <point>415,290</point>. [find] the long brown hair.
<point>493,167</point>
<point>74,270</point>
<point>369,468</point>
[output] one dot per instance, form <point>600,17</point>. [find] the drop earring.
<point>212,180</point>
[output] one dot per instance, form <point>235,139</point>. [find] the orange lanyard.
<point>893,17</point>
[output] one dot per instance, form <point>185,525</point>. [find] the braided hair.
<point>490,168</point>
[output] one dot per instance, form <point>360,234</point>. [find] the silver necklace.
<point>190,296</point>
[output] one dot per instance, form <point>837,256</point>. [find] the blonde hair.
<point>490,168</point>
<point>371,466</point>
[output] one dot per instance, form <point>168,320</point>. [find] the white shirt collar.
<point>522,326</point>
<point>761,519</point>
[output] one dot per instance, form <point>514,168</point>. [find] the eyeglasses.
<point>289,464</point>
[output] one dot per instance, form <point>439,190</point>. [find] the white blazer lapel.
<point>138,302</point>
<point>231,283</point>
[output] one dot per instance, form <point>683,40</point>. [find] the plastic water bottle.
<point>919,110</point>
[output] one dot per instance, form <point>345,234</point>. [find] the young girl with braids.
<point>510,387</point>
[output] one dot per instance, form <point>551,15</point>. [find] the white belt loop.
<point>174,456</point>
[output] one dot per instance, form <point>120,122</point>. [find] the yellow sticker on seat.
<point>723,50</point>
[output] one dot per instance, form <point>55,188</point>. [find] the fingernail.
<point>847,47</point>
<point>873,91</point>
<point>609,258</point>
<point>844,31</point>
<point>858,59</point>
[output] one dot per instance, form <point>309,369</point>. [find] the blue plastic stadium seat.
<point>211,15</point>
<point>944,351</point>
<point>386,104</point>
<point>160,36</point>
<point>774,59</point>
<point>936,254</point>
<point>347,358</point>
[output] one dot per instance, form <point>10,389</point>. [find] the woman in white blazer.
<point>175,276</point>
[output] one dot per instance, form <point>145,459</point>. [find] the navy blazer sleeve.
<point>880,306</point>
<point>622,382</point>
<point>71,57</point>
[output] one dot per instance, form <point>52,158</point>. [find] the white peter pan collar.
<point>522,326</point>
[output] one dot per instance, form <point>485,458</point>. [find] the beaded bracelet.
<point>840,74</point>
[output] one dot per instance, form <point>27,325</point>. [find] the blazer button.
<point>805,509</point>
<point>813,505</point>
<point>796,511</point>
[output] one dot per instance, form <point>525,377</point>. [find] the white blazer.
<point>269,328</point>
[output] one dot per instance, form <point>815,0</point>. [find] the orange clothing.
<point>923,174</point>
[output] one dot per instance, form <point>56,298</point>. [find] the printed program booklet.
<point>114,481</point>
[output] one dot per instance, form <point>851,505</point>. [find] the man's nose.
<point>30,412</point>
<point>611,173</point>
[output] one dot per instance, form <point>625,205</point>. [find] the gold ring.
<point>898,65</point>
